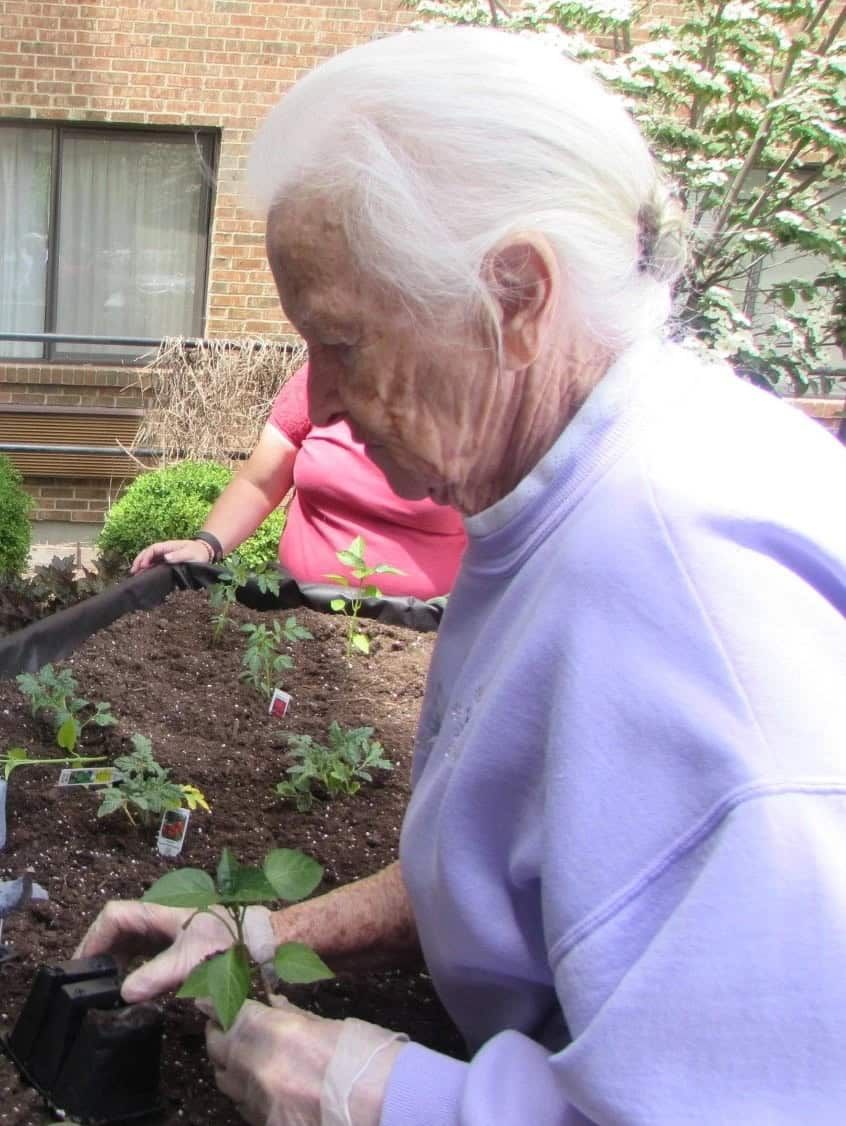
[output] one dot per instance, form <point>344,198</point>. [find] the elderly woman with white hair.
<point>624,854</point>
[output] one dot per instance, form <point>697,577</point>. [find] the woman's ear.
<point>524,278</point>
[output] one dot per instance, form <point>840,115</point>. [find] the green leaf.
<point>189,887</point>
<point>361,642</point>
<point>337,604</point>
<point>112,801</point>
<point>67,734</point>
<point>196,984</point>
<point>349,559</point>
<point>227,872</point>
<point>341,580</point>
<point>251,886</point>
<point>386,569</point>
<point>298,964</point>
<point>371,591</point>
<point>15,756</point>
<point>228,979</point>
<point>292,874</point>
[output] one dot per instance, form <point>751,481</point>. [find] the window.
<point>104,232</point>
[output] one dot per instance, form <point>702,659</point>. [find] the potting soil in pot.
<point>165,680</point>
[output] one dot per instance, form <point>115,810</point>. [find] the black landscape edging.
<point>59,635</point>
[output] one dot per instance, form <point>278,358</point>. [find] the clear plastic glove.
<point>285,1067</point>
<point>126,928</point>
<point>170,551</point>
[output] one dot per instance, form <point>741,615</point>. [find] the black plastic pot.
<point>56,637</point>
<point>90,1056</point>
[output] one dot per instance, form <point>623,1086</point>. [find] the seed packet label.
<point>89,776</point>
<point>172,831</point>
<point>279,703</point>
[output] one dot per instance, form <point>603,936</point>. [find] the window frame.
<point>206,139</point>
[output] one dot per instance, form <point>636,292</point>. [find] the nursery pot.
<point>90,1056</point>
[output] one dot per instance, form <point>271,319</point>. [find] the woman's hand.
<point>126,928</point>
<point>285,1067</point>
<point>170,551</point>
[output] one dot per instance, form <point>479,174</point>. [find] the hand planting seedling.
<point>144,785</point>
<point>285,875</point>
<point>55,694</point>
<point>353,558</point>
<point>338,768</point>
<point>263,662</point>
<point>236,574</point>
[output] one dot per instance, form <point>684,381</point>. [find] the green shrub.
<point>172,504</point>
<point>15,532</point>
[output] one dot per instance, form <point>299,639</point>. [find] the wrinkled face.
<point>415,400</point>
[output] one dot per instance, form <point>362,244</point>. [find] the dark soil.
<point>164,680</point>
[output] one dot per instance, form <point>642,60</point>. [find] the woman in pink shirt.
<point>340,494</point>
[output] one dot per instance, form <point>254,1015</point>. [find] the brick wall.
<point>208,63</point>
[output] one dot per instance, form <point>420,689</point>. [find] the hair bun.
<point>662,238</point>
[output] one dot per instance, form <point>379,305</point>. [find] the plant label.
<point>279,703</point>
<point>172,831</point>
<point>89,776</point>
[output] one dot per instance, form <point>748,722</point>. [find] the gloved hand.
<point>285,1067</point>
<point>125,928</point>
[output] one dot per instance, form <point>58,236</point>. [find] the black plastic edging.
<point>59,635</point>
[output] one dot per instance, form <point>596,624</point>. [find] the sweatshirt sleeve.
<point>710,991</point>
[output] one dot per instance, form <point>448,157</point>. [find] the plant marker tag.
<point>89,776</point>
<point>172,831</point>
<point>279,703</point>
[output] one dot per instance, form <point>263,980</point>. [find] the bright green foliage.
<point>236,574</point>
<point>263,662</point>
<point>353,558</point>
<point>744,102</point>
<point>15,507</point>
<point>338,768</point>
<point>172,504</point>
<point>144,785</point>
<point>54,694</point>
<point>19,756</point>
<point>285,875</point>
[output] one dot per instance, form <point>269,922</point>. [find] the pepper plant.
<point>285,875</point>
<point>54,693</point>
<point>236,574</point>
<point>263,660</point>
<point>144,785</point>
<point>744,104</point>
<point>353,558</point>
<point>339,767</point>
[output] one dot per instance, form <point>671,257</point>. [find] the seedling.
<point>353,558</point>
<point>338,768</point>
<point>19,756</point>
<point>144,785</point>
<point>285,875</point>
<point>236,574</point>
<point>55,694</point>
<point>263,662</point>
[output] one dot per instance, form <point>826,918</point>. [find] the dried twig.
<point>211,402</point>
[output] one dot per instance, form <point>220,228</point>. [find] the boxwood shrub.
<point>15,530</point>
<point>171,504</point>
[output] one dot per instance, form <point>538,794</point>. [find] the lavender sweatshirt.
<point>626,845</point>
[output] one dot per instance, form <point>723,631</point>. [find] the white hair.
<point>438,146</point>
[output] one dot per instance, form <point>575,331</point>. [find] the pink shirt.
<point>341,494</point>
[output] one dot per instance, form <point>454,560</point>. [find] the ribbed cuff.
<point>424,1089</point>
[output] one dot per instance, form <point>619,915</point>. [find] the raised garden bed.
<point>162,677</point>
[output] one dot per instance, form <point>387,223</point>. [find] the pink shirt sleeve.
<point>289,413</point>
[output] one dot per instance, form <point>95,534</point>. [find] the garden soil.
<point>164,679</point>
